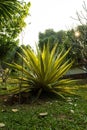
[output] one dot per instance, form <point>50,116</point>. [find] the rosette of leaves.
<point>42,71</point>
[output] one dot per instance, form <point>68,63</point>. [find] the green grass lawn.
<point>60,115</point>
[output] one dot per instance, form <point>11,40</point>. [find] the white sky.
<point>50,14</point>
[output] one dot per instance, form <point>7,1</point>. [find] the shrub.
<point>42,71</point>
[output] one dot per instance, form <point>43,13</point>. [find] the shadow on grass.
<point>29,98</point>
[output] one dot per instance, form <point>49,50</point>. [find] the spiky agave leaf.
<point>44,70</point>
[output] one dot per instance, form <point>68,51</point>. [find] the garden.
<point>37,90</point>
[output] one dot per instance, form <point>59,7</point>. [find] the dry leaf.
<point>2,125</point>
<point>14,110</point>
<point>43,114</point>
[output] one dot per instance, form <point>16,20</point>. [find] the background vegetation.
<point>26,75</point>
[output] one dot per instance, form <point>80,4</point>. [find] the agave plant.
<point>42,71</point>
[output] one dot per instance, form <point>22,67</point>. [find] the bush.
<point>42,71</point>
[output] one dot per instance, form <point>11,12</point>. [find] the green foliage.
<point>10,31</point>
<point>8,8</point>
<point>51,36</point>
<point>81,39</point>
<point>67,39</point>
<point>78,43</point>
<point>71,41</point>
<point>42,71</point>
<point>4,74</point>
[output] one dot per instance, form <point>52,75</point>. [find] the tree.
<point>8,8</point>
<point>82,37</point>
<point>72,41</point>
<point>82,40</point>
<point>52,37</point>
<point>10,31</point>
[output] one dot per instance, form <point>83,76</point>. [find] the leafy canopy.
<point>8,8</point>
<point>10,30</point>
